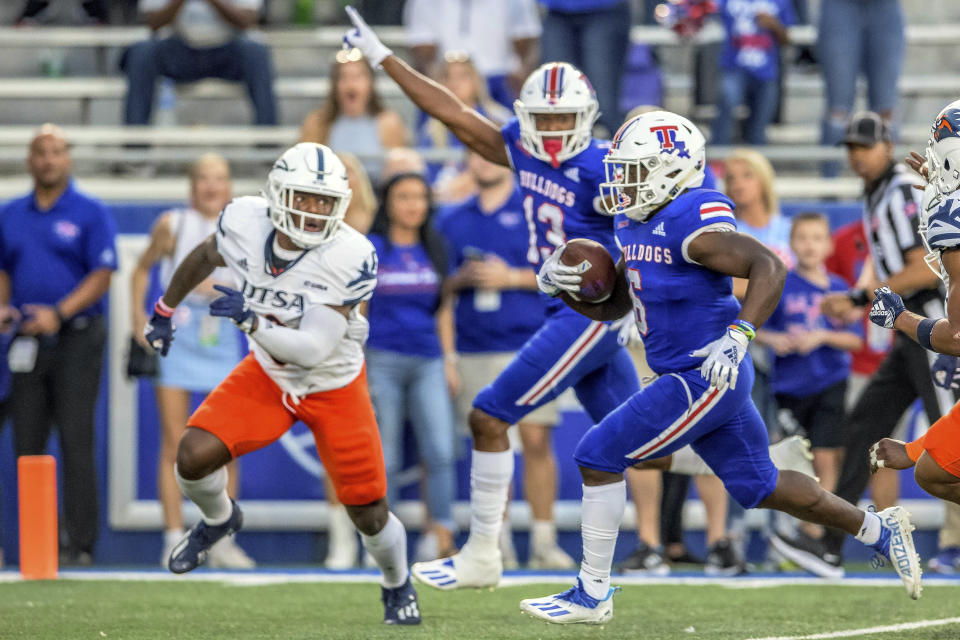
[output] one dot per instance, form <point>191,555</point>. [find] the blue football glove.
<point>722,359</point>
<point>159,331</point>
<point>944,370</point>
<point>233,305</point>
<point>886,307</point>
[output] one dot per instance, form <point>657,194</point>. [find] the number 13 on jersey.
<point>633,277</point>
<point>550,215</point>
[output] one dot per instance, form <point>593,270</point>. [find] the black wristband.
<point>925,331</point>
<point>859,297</point>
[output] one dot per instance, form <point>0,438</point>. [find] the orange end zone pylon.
<point>37,479</point>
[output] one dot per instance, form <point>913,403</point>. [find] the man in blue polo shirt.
<point>498,308</point>
<point>56,258</point>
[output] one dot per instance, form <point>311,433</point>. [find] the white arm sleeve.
<point>321,330</point>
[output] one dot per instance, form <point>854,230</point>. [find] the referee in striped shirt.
<point>890,222</point>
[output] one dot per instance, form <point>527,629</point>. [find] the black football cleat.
<point>400,604</point>
<point>191,551</point>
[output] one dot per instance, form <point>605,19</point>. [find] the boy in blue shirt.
<point>812,360</point>
<point>750,64</point>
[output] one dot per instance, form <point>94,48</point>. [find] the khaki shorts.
<point>477,370</point>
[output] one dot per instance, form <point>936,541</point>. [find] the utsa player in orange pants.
<point>936,454</point>
<point>303,274</point>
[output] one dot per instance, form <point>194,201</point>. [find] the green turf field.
<point>197,610</point>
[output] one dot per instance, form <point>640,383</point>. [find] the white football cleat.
<point>896,545</point>
<point>550,557</point>
<point>465,569</point>
<point>793,454</point>
<point>573,606</point>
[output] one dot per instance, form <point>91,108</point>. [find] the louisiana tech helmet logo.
<point>667,137</point>
<point>947,125</point>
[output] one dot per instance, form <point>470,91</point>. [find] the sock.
<point>603,508</point>
<point>543,533</point>
<point>870,529</point>
<point>686,461</point>
<point>389,549</point>
<point>209,493</point>
<point>490,475</point>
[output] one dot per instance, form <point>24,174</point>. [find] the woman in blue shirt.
<point>410,352</point>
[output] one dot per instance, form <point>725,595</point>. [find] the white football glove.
<point>358,327</point>
<point>362,37</point>
<point>629,333</point>
<point>554,276</point>
<point>722,358</point>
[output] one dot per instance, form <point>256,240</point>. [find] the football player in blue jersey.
<point>559,168</point>
<point>680,249</point>
<point>936,453</point>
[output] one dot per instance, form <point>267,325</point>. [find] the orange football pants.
<point>247,412</point>
<point>941,442</point>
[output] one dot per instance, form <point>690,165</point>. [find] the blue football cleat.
<point>571,607</point>
<point>400,604</point>
<point>192,549</point>
<point>896,545</point>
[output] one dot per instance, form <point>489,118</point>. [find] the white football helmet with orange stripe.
<point>556,88</point>
<point>652,159</point>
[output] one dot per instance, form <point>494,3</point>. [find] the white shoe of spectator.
<point>428,547</point>
<point>507,551</point>
<point>793,454</point>
<point>227,554</point>
<point>170,539</point>
<point>550,557</point>
<point>342,545</point>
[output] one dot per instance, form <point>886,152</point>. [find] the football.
<point>600,274</point>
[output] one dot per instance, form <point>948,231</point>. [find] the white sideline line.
<point>851,633</point>
<point>281,576</point>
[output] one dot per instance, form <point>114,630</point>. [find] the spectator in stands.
<point>750,65</point>
<point>402,160</point>
<point>451,182</point>
<point>890,224</point>
<point>855,36</point>
<point>812,363</point>
<point>36,11</point>
<point>411,362</point>
<point>342,544</point>
<point>363,203</point>
<point>749,181</point>
<point>207,347</point>
<point>498,307</point>
<point>353,117</point>
<point>593,36</point>
<point>57,256</point>
<point>500,36</point>
<point>208,41</point>
<point>851,261</point>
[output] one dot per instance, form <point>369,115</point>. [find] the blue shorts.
<point>569,350</point>
<point>204,352</point>
<point>678,409</point>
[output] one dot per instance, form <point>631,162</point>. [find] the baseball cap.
<point>867,128</point>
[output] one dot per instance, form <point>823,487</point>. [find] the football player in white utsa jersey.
<point>303,275</point>
<point>936,454</point>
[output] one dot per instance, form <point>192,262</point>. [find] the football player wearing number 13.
<point>559,168</point>
<point>702,394</point>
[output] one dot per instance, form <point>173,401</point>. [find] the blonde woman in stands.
<point>450,180</point>
<point>208,347</point>
<point>353,118</point>
<point>342,544</point>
